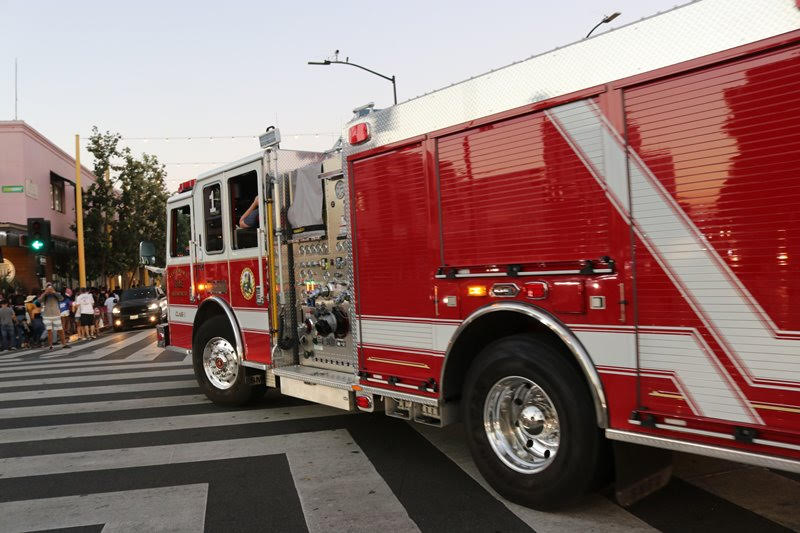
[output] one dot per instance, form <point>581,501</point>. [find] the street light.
<point>606,20</point>
<point>335,61</point>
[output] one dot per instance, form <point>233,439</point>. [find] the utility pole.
<point>79,211</point>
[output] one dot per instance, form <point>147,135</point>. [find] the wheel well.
<point>487,329</point>
<point>206,311</point>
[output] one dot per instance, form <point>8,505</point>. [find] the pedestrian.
<point>23,328</point>
<point>85,306</point>
<point>35,318</point>
<point>65,305</point>
<point>110,302</point>
<point>7,322</point>
<point>51,314</point>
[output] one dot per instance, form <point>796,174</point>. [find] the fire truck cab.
<point>594,245</point>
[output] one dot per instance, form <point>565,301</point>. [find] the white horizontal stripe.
<point>413,335</point>
<point>98,407</point>
<point>79,379</point>
<point>147,425</point>
<point>105,389</point>
<point>253,319</point>
<point>175,508</point>
<point>38,371</point>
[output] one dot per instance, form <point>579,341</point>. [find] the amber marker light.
<point>477,290</point>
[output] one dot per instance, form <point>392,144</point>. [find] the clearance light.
<point>363,402</point>
<point>359,133</point>
<point>201,286</point>
<point>477,290</point>
<point>536,290</point>
<point>186,186</point>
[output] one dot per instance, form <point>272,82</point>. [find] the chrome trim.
<point>424,400</point>
<point>707,450</point>
<point>237,334</point>
<point>718,435</point>
<point>253,364</point>
<point>318,376</point>
<point>178,349</point>
<point>538,273</point>
<point>557,327</point>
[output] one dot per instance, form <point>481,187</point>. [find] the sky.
<point>218,72</point>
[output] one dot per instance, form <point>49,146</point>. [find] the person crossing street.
<point>51,315</point>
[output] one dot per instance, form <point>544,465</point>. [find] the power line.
<point>223,137</point>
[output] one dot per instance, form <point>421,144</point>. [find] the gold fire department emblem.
<point>247,282</point>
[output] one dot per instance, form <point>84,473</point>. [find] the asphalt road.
<point>113,435</point>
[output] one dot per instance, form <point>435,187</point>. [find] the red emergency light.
<point>359,133</point>
<point>186,186</point>
<point>536,290</point>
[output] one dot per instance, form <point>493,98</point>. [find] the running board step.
<point>326,387</point>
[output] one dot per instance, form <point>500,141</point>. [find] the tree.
<point>142,209</point>
<point>100,206</point>
<point>120,211</point>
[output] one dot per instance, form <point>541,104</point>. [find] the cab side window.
<point>245,211</point>
<point>181,231</point>
<point>212,209</point>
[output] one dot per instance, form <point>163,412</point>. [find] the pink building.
<point>38,180</point>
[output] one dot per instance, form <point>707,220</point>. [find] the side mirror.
<point>147,253</point>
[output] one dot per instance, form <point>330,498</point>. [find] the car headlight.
<point>153,306</point>
<point>115,311</point>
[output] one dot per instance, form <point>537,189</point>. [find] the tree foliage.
<point>122,209</point>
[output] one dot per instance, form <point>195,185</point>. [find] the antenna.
<point>16,89</point>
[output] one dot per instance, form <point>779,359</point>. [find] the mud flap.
<point>640,471</point>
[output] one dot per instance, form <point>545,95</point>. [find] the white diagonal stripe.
<point>595,513</point>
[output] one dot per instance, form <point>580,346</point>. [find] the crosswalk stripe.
<point>41,367</point>
<point>147,425</point>
<point>83,351</point>
<point>101,389</point>
<point>58,351</point>
<point>98,407</point>
<point>734,482</point>
<point>46,382</point>
<point>333,478</point>
<point>92,370</point>
<point>182,507</point>
<point>595,514</point>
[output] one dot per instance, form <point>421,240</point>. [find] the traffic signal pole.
<point>79,211</point>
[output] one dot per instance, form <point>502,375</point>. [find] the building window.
<point>56,194</point>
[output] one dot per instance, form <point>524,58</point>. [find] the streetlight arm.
<point>327,62</point>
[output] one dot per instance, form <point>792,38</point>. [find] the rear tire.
<point>217,368</point>
<point>530,423</point>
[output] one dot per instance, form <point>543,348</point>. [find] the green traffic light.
<point>37,245</point>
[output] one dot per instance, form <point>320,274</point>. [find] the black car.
<point>144,306</point>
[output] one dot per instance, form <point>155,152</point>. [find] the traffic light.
<point>39,235</point>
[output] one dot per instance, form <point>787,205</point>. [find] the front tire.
<point>217,367</point>
<point>530,423</point>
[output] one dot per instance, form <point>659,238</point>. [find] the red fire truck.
<point>595,248</point>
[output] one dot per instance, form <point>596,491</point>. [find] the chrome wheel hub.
<point>521,424</point>
<point>220,363</point>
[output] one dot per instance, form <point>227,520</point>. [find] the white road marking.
<point>594,513</point>
<point>736,483</point>
<point>167,423</point>
<point>143,366</point>
<point>103,389</point>
<point>47,382</point>
<point>74,365</point>
<point>177,509</point>
<point>338,488</point>
<point>97,407</point>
